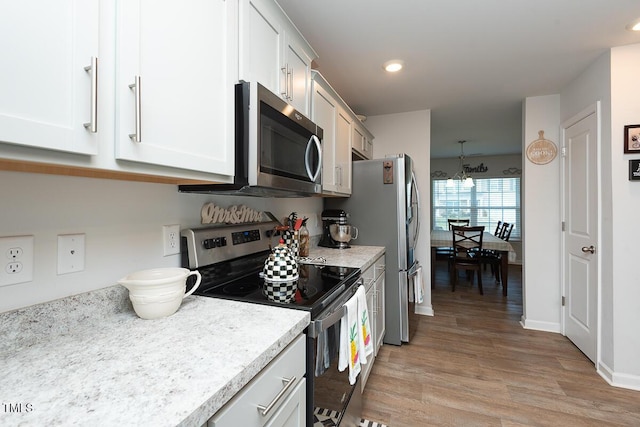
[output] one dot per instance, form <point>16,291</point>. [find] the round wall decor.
<point>541,151</point>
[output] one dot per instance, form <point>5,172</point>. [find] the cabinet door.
<point>46,92</point>
<point>358,138</point>
<point>294,409</point>
<point>323,113</point>
<point>380,313</point>
<point>298,69</point>
<point>371,307</point>
<point>285,374</point>
<point>181,112</point>
<point>343,151</point>
<point>261,38</point>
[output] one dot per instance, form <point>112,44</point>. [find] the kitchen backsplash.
<point>122,223</point>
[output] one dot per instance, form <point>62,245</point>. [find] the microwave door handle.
<point>320,325</point>
<point>313,176</point>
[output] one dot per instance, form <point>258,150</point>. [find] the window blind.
<point>489,201</point>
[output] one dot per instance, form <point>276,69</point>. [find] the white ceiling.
<point>471,62</point>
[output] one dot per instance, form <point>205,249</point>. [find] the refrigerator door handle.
<point>414,187</point>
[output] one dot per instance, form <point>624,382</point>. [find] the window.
<point>489,201</point>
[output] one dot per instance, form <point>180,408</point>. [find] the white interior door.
<point>581,234</point>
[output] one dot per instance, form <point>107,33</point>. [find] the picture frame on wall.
<point>634,170</point>
<point>632,139</point>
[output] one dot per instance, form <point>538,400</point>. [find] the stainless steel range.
<point>230,259</point>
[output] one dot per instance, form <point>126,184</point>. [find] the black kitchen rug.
<point>328,418</point>
<point>367,423</point>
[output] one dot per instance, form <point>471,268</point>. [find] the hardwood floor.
<point>473,364</point>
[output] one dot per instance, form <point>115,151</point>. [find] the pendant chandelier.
<point>461,175</point>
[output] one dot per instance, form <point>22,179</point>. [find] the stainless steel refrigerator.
<point>384,206</point>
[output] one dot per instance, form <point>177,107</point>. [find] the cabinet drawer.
<point>243,410</point>
<point>368,277</point>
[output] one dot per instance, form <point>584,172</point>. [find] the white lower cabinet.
<point>276,397</point>
<point>379,306</point>
<point>374,284</point>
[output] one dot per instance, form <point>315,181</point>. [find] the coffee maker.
<point>329,218</point>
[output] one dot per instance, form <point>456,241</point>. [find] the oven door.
<point>331,399</point>
<point>287,144</point>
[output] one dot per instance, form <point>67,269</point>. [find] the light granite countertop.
<point>361,257</point>
<point>89,360</point>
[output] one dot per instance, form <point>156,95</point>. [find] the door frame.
<point>594,108</point>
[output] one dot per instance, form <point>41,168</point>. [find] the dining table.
<point>443,238</point>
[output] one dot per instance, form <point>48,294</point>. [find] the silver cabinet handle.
<point>284,89</point>
<point>288,383</point>
<point>92,126</point>
<point>290,96</point>
<point>375,301</point>
<point>137,136</point>
<point>591,249</point>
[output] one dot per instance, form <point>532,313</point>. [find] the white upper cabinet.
<point>274,53</point>
<point>46,93</point>
<point>362,141</point>
<point>324,112</point>
<point>174,83</point>
<point>261,40</point>
<point>297,69</point>
<point>328,112</point>
<point>343,150</point>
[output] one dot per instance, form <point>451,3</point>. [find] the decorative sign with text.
<point>212,214</point>
<point>541,151</point>
<point>634,170</point>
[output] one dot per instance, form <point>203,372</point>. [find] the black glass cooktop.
<point>317,285</point>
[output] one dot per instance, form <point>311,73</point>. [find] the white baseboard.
<point>537,325</point>
<point>631,382</point>
<point>424,310</point>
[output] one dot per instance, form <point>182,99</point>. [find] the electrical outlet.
<point>171,239</point>
<point>70,253</point>
<point>14,267</point>
<point>16,260</point>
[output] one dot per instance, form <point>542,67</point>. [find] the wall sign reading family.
<point>632,139</point>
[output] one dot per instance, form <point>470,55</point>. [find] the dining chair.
<point>506,231</point>
<point>489,253</point>
<point>493,258</point>
<point>499,229</point>
<point>444,253</point>
<point>459,222</point>
<point>467,253</point>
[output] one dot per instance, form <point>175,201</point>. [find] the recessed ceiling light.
<point>634,26</point>
<point>393,66</point>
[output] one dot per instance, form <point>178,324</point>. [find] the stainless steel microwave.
<point>278,150</point>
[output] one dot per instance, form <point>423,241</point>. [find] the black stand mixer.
<point>336,233</point>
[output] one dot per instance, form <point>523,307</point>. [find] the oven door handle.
<point>320,325</point>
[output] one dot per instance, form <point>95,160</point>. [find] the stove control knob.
<point>223,241</point>
<point>211,243</point>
